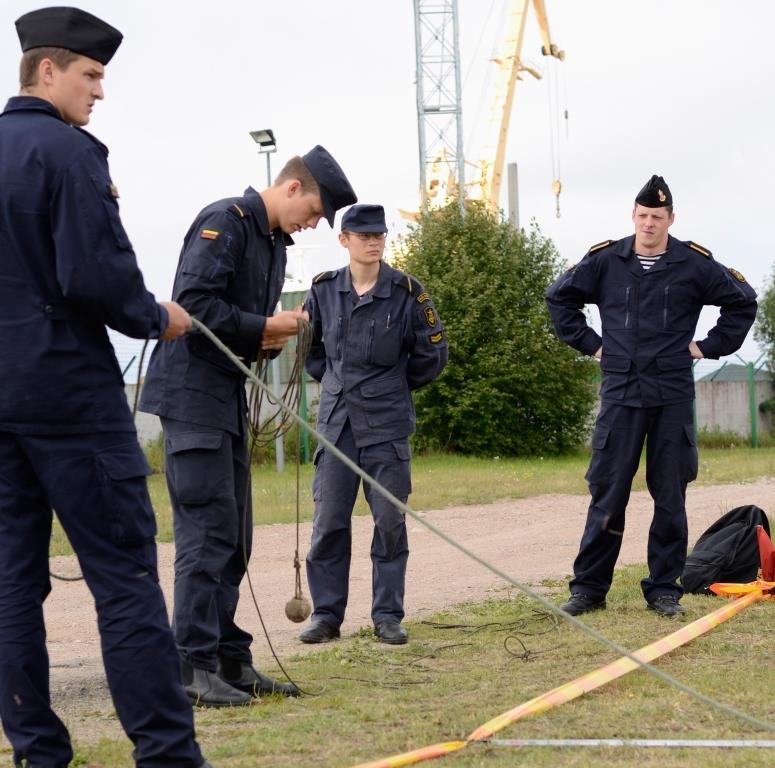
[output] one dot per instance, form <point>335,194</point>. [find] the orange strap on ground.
<point>416,756</point>
<point>617,668</point>
<point>590,681</point>
<point>767,588</point>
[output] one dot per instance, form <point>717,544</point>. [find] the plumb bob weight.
<point>298,609</point>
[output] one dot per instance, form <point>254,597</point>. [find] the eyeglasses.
<point>369,235</point>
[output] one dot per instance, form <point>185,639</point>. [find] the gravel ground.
<point>529,539</point>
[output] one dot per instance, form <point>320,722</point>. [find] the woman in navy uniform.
<point>650,289</point>
<point>230,275</point>
<point>376,337</point>
<point>67,438</point>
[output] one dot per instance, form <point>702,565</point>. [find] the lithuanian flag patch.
<point>209,234</point>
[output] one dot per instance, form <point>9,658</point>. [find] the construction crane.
<point>438,89</point>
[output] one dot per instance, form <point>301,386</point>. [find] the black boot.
<point>243,677</point>
<point>206,689</point>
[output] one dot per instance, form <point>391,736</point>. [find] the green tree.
<point>510,387</point>
<point>764,330</point>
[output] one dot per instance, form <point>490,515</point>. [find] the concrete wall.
<point>720,405</point>
<point>148,425</point>
<point>724,405</point>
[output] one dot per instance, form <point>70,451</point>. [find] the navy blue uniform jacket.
<point>649,317</point>
<point>369,354</point>
<point>230,276</point>
<point>67,270</point>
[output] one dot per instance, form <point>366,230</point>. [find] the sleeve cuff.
<point>251,327</point>
<point>164,321</point>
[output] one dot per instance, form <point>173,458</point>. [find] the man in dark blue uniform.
<point>230,275</point>
<point>67,438</point>
<point>376,337</point>
<point>650,289</point>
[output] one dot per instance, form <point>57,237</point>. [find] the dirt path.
<point>530,539</point>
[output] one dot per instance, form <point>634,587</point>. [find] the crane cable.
<point>553,104</point>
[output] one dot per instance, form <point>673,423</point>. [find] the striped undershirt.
<point>647,262</point>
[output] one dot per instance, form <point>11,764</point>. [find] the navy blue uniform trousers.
<point>97,485</point>
<point>209,483</point>
<point>671,463</point>
<point>335,489</point>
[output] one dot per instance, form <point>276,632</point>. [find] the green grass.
<point>442,481</point>
<point>376,701</point>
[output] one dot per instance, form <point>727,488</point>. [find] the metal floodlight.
<point>266,145</point>
<point>265,140</point>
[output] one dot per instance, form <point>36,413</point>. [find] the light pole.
<point>266,146</point>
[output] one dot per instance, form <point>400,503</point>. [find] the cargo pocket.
<point>600,469</point>
<point>676,379</point>
<point>616,375</point>
<point>383,399</point>
<point>689,461</point>
<point>317,479</point>
<point>122,473</point>
<point>195,469</point>
<point>404,472</point>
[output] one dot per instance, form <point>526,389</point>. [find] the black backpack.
<point>728,551</point>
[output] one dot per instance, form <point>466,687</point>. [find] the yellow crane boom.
<point>486,185</point>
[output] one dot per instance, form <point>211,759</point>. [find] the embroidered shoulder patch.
<point>209,234</point>
<point>704,251</point>
<point>423,297</point>
<point>435,338</point>
<point>737,275</point>
<point>430,316</point>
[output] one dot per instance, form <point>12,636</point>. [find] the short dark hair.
<point>28,69</point>
<point>296,168</point>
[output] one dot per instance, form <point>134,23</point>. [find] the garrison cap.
<point>69,28</point>
<point>364,218</point>
<point>335,189</point>
<point>655,194</point>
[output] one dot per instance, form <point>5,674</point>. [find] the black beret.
<point>655,194</point>
<point>365,218</point>
<point>335,189</point>
<point>69,28</point>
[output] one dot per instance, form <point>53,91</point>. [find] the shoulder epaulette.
<point>704,251</point>
<point>93,138</point>
<point>598,246</point>
<point>324,276</point>
<point>413,288</point>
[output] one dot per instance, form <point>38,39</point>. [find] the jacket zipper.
<point>627,307</point>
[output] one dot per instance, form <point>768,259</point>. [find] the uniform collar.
<point>381,289</point>
<point>256,206</point>
<point>31,104</point>
<point>383,286</point>
<point>36,104</point>
<point>625,249</point>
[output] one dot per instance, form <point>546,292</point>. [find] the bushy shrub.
<point>511,388</point>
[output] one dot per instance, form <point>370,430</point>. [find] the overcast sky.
<point>681,88</point>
